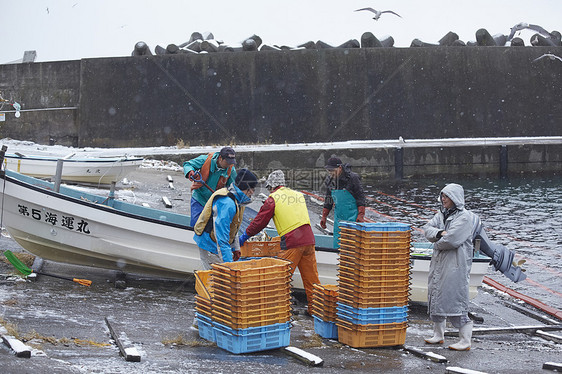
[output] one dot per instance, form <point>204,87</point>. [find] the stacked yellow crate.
<point>251,304</point>
<point>373,280</point>
<point>203,304</point>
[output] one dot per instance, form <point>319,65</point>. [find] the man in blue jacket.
<point>216,230</point>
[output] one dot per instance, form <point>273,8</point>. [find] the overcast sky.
<point>75,29</point>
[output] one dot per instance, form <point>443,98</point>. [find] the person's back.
<point>289,212</point>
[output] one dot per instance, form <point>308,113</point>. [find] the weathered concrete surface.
<point>288,96</point>
<point>70,336</point>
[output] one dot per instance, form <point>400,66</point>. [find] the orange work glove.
<point>360,214</point>
<point>190,174</point>
<point>325,213</point>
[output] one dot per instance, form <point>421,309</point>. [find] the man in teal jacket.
<point>216,170</point>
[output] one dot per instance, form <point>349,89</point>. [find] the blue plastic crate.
<point>252,339</point>
<point>363,320</point>
<point>372,312</point>
<point>325,329</point>
<point>205,327</point>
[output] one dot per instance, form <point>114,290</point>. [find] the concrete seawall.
<point>304,163</point>
<point>369,95</point>
<point>286,96</point>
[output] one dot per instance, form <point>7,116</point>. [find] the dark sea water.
<point>524,214</point>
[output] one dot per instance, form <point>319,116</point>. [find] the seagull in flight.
<point>378,13</point>
<point>522,26</point>
<point>550,56</point>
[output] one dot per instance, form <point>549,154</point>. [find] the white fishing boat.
<point>99,170</point>
<point>72,226</point>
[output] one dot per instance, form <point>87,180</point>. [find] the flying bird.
<point>522,26</point>
<point>550,56</point>
<point>378,13</point>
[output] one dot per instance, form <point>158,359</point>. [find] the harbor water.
<point>524,214</point>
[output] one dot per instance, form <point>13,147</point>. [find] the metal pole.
<point>58,175</point>
<point>398,163</point>
<point>503,162</point>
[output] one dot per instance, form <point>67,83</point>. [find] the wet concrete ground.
<point>65,324</point>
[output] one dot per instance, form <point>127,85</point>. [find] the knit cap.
<point>245,180</point>
<point>275,179</point>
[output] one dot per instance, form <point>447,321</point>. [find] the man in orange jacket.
<point>288,210</point>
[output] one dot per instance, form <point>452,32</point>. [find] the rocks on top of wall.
<point>206,42</point>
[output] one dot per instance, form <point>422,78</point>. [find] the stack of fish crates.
<point>324,303</point>
<point>251,304</point>
<point>373,280</point>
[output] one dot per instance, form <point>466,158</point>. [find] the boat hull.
<point>83,170</point>
<point>85,229</point>
<point>81,230</point>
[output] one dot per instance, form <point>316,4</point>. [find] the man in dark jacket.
<point>344,190</point>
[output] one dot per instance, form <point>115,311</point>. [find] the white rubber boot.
<point>438,333</point>
<point>465,334</point>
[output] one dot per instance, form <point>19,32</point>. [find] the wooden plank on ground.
<point>304,356</point>
<point>130,353</point>
<point>427,355</point>
<point>546,335</point>
<point>20,349</point>
<point>554,366</point>
<point>167,202</point>
<point>457,370</point>
<point>521,309</point>
<point>508,330</point>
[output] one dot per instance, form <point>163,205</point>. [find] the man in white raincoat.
<point>451,232</point>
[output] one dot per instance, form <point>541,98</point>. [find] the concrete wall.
<point>49,94</point>
<point>304,168</point>
<point>288,96</point>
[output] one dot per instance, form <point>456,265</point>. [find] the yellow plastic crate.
<point>381,276</point>
<point>250,321</point>
<point>402,244</point>
<point>326,289</point>
<point>369,336</point>
<point>245,301</point>
<point>374,254</point>
<point>266,279</point>
<point>203,306</point>
<point>251,293</point>
<point>244,314</point>
<point>246,269</point>
<point>247,287</point>
<point>348,283</point>
<point>252,307</point>
<point>202,283</point>
<point>261,248</point>
<point>383,301</point>
<point>347,232</point>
